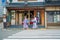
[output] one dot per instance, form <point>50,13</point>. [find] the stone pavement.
<point>35,34</point>
<point>1,25</point>
<point>7,32</point>
<point>14,34</point>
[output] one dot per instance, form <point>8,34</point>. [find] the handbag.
<point>31,22</point>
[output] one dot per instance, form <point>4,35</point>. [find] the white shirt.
<point>4,19</point>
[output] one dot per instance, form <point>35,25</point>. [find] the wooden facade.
<point>20,13</point>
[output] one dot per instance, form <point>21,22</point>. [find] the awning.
<point>28,4</point>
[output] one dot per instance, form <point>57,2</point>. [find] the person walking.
<point>34,22</point>
<point>25,23</point>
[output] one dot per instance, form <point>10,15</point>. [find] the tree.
<point>10,1</point>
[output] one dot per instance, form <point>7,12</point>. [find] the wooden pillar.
<point>46,20</point>
<point>42,17</point>
<point>29,15</point>
<point>20,18</point>
<point>35,12</point>
<point>17,18</point>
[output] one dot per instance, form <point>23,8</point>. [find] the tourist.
<point>34,20</point>
<point>25,23</point>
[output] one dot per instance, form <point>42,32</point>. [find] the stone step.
<point>43,37</point>
<point>53,27</point>
<point>37,34</point>
<point>31,39</point>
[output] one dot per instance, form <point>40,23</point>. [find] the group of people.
<point>26,22</point>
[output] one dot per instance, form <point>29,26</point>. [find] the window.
<point>58,16</point>
<point>13,14</point>
<point>12,17</point>
<point>53,17</point>
<point>50,17</point>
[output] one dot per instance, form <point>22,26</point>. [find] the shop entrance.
<point>16,17</point>
<point>21,14</point>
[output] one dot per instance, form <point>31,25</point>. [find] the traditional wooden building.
<point>53,13</point>
<point>47,11</point>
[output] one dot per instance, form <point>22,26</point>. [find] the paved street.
<point>14,34</point>
<point>1,25</point>
<point>45,14</point>
<point>4,33</point>
<point>36,34</point>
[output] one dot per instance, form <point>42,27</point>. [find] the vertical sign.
<point>3,2</point>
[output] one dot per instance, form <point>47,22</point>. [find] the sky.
<point>1,8</point>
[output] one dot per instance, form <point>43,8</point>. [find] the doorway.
<point>19,17</point>
<point>21,14</point>
<point>28,14</point>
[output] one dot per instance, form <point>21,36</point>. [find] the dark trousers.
<point>5,25</point>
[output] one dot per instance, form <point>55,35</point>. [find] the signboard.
<point>3,2</point>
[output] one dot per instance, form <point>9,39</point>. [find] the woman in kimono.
<point>34,20</point>
<point>25,23</point>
